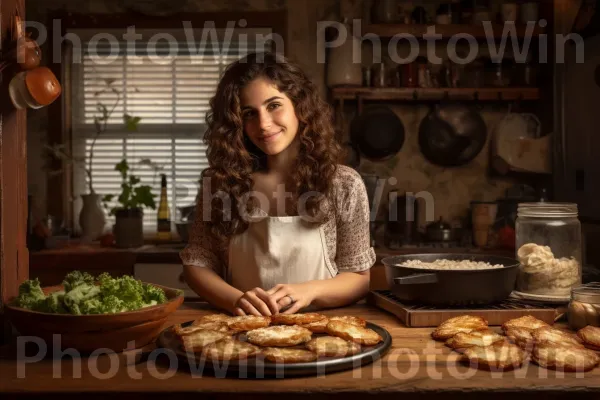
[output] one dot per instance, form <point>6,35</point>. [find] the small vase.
<point>91,218</point>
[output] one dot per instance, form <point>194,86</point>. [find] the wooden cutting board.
<point>418,316</point>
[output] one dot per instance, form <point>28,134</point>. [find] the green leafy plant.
<point>133,193</point>
<point>101,118</point>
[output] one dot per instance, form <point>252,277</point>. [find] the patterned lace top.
<point>346,231</point>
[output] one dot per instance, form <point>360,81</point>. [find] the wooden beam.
<point>14,257</point>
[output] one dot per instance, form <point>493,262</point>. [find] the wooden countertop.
<point>149,253</point>
<point>415,367</point>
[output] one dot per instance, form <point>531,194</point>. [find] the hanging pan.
<point>377,132</point>
<point>452,135</point>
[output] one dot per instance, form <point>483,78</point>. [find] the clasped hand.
<point>269,302</point>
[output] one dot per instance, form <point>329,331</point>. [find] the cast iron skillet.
<point>452,135</point>
<point>443,287</point>
<point>377,132</point>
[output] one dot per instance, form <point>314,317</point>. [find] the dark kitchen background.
<point>553,104</point>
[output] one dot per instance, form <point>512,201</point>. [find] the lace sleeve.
<point>354,252</point>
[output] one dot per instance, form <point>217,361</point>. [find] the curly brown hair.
<point>233,157</point>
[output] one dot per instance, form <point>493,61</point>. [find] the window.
<point>168,87</point>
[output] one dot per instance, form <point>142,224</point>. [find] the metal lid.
<point>587,293</point>
<point>547,210</point>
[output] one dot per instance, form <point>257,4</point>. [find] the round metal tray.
<point>259,367</point>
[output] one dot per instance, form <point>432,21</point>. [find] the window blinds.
<point>169,88</point>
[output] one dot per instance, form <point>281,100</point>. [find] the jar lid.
<point>587,293</point>
<point>547,210</point>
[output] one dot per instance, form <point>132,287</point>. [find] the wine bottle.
<point>163,215</point>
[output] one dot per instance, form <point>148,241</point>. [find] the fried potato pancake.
<point>248,322</point>
<point>296,319</point>
<point>520,336</point>
<point>279,336</point>
<point>548,334</point>
<point>332,346</point>
<point>563,358</point>
<point>482,338</point>
<point>526,321</point>
<point>285,355</point>
<point>357,334</point>
<point>191,329</point>
<point>223,318</point>
<point>319,326</point>
<point>462,323</point>
<point>590,336</point>
<point>501,356</point>
<point>229,349</point>
<point>349,319</point>
<point>198,340</point>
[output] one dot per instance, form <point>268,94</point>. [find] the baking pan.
<point>443,287</point>
<point>258,367</point>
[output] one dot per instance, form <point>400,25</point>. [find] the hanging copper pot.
<point>35,88</point>
<point>29,54</point>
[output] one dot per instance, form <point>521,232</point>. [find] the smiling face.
<point>269,117</point>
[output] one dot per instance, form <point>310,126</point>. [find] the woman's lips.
<point>270,138</point>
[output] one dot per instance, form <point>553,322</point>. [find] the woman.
<point>280,226</point>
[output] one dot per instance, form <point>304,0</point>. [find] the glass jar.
<point>548,242</point>
<point>584,308</point>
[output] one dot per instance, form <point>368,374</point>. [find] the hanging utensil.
<point>377,132</point>
<point>452,135</point>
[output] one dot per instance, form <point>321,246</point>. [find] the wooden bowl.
<point>87,333</point>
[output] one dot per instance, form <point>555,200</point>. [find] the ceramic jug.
<point>91,218</point>
<point>341,68</point>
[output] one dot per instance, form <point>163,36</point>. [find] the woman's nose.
<point>265,120</point>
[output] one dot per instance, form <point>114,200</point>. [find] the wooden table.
<point>415,367</point>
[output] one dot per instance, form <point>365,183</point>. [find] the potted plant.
<point>129,214</point>
<point>92,219</point>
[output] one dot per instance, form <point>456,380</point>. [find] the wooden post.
<point>14,256</point>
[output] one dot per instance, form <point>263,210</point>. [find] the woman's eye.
<point>273,106</point>
<point>247,114</point>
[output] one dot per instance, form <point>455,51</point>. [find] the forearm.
<point>211,287</point>
<point>345,288</point>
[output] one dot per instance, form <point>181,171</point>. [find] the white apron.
<point>277,250</point>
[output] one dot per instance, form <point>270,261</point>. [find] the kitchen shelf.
<point>423,94</point>
<point>447,31</point>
